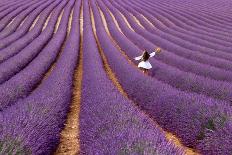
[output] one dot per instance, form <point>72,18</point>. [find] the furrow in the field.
<point>46,22</point>
<point>69,141</point>
<point>137,21</point>
<point>145,18</point>
<point>168,74</point>
<point>35,21</point>
<point>10,22</point>
<point>126,22</point>
<point>122,26</point>
<point>58,21</point>
<point>106,66</point>
<point>22,31</point>
<point>24,21</point>
<point>116,23</point>
<point>37,63</point>
<point>184,114</point>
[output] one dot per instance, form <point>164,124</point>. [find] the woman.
<point>144,63</point>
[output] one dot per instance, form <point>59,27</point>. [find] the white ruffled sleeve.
<point>152,54</point>
<point>138,58</point>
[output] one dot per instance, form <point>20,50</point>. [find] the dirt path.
<point>69,141</point>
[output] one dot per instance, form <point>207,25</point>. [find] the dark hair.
<point>146,56</point>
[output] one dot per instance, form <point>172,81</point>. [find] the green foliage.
<point>212,124</point>
<point>12,146</point>
<point>140,147</point>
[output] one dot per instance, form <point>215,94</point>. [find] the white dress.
<point>145,64</point>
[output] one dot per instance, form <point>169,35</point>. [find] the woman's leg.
<point>145,71</point>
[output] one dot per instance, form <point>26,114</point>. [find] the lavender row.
<point>27,79</point>
<point>213,15</point>
<point>35,122</point>
<point>220,5</point>
<point>168,58</point>
<point>203,20</point>
<point>188,115</point>
<point>18,19</point>
<point>198,23</point>
<point>16,63</point>
<point>189,53</point>
<point>216,6</point>
<point>181,63</point>
<point>184,22</point>
<point>121,128</point>
<point>6,5</point>
<point>28,39</point>
<point>193,37</point>
<point>191,28</point>
<point>9,17</point>
<point>224,16</point>
<point>181,35</point>
<point>168,74</point>
<point>11,8</point>
<point>6,53</point>
<point>196,34</point>
<point>200,69</point>
<point>201,15</point>
<point>177,78</point>
<point>214,24</point>
<point>9,4</point>
<point>196,41</point>
<point>208,12</point>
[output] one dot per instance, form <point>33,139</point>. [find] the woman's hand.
<point>158,50</point>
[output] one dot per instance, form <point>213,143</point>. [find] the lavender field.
<point>69,83</point>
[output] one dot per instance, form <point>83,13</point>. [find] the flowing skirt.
<point>145,65</point>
